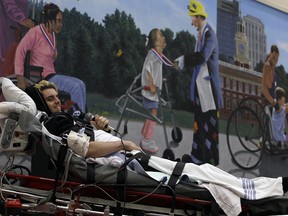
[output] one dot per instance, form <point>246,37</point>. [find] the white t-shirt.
<point>152,65</point>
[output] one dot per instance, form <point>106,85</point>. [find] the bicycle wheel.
<point>244,137</point>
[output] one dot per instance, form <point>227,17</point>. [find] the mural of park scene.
<point>103,44</point>
<point>113,48</point>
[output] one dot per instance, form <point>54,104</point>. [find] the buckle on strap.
<point>89,131</point>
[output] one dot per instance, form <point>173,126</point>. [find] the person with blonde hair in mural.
<point>151,81</point>
<point>205,88</point>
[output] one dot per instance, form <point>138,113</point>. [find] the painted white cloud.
<point>283,45</point>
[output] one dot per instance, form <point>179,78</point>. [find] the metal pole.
<point>33,10</point>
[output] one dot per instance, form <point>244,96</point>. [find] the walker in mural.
<point>249,134</point>
<point>131,103</point>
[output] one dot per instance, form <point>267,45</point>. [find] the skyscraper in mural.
<point>255,33</point>
<point>227,18</point>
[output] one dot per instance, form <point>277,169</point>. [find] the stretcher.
<point>138,195</point>
<point>96,189</point>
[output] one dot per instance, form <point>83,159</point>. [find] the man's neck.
<point>158,49</point>
<point>201,25</point>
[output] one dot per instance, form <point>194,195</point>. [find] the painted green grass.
<point>106,107</point>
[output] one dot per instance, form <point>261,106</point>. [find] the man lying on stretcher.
<point>104,144</point>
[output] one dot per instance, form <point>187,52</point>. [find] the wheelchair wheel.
<point>176,134</point>
<point>244,137</point>
<point>253,104</point>
<point>168,154</point>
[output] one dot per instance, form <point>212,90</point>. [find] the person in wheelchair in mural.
<point>41,42</point>
<point>278,120</point>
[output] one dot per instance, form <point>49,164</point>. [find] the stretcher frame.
<point>33,190</point>
<point>32,194</point>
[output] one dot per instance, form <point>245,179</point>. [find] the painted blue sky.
<point>173,14</point>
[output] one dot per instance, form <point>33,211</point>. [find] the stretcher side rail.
<point>155,203</point>
<point>160,203</point>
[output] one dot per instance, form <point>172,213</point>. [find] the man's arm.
<point>13,11</point>
<point>100,149</point>
<point>198,58</point>
<point>16,100</point>
<point>266,83</point>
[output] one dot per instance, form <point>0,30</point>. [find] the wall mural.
<point>103,43</point>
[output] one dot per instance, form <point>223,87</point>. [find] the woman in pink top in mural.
<point>41,42</point>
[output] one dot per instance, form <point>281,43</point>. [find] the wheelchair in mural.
<point>249,134</point>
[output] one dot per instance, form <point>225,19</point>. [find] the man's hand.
<point>100,122</point>
<point>21,82</point>
<point>129,146</point>
<point>179,63</point>
<point>28,23</point>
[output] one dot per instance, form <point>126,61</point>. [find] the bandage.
<point>78,143</point>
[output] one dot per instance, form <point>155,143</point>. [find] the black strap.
<point>140,156</point>
<point>122,177</point>
<point>143,160</point>
<point>90,173</point>
<point>89,131</point>
<point>60,160</point>
<point>177,171</point>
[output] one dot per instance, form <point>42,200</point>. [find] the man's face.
<point>57,25</point>
<point>196,22</point>
<point>274,58</point>
<point>52,100</point>
<point>282,101</point>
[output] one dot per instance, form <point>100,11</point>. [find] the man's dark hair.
<point>280,93</point>
<point>202,17</point>
<point>50,12</point>
<point>274,48</point>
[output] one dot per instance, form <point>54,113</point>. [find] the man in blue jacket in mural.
<point>205,88</point>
